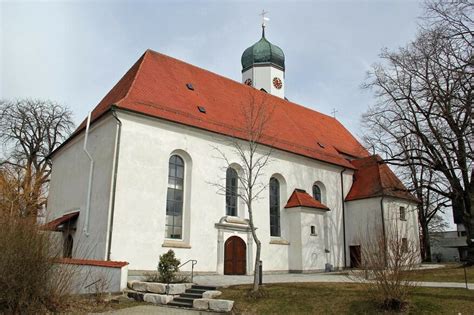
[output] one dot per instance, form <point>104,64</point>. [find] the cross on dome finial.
<point>264,18</point>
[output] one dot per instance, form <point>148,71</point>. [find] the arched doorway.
<point>235,253</point>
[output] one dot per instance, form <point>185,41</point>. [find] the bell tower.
<point>263,65</point>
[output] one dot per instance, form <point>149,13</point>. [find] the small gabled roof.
<point>156,86</point>
<point>54,224</point>
<point>300,198</point>
<point>373,178</point>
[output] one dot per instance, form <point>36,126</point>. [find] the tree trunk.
<point>426,244</point>
<point>256,277</point>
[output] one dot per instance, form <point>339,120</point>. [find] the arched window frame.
<point>274,207</point>
<point>317,192</point>
<point>231,191</point>
<point>175,198</point>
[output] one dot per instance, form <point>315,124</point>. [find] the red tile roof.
<point>156,86</point>
<point>90,262</point>
<point>53,225</point>
<point>300,198</point>
<point>373,178</point>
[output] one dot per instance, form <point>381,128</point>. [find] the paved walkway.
<point>224,281</point>
<point>155,309</point>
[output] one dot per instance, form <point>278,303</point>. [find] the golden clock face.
<point>248,82</point>
<point>277,83</point>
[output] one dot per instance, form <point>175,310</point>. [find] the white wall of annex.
<point>138,233</point>
<point>69,184</point>
<point>407,228</point>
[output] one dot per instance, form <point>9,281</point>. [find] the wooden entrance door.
<point>235,261</point>
<point>355,256</point>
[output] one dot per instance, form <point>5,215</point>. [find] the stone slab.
<point>157,298</point>
<point>139,286</point>
<point>155,287</point>
<point>176,288</point>
<point>221,305</point>
<point>201,304</point>
<point>211,294</point>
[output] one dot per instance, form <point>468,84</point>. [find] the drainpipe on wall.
<point>343,217</point>
<point>383,231</point>
<point>114,181</point>
<point>91,171</point>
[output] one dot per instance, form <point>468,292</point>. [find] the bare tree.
<point>253,157</point>
<point>424,108</point>
<point>417,178</point>
<point>389,258</point>
<point>30,130</point>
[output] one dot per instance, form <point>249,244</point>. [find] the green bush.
<point>168,267</point>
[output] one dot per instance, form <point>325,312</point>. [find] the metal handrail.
<point>193,262</point>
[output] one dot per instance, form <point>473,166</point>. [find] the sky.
<point>73,52</point>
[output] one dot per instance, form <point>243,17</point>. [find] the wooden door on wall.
<point>355,256</point>
<point>235,253</point>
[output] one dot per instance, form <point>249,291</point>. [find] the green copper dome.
<point>263,52</point>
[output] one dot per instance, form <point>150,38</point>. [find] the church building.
<point>139,176</point>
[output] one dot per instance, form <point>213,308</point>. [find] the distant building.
<point>449,246</point>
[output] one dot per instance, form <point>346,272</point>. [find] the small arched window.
<point>174,198</point>
<point>231,185</point>
<point>317,192</point>
<point>274,207</point>
<point>68,245</point>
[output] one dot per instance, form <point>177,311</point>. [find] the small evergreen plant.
<point>168,267</point>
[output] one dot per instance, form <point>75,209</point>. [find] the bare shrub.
<point>30,280</point>
<point>99,287</point>
<point>387,259</point>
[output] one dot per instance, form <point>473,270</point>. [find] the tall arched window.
<point>317,192</point>
<point>231,185</point>
<point>274,207</point>
<point>174,198</point>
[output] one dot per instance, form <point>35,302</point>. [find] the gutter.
<point>91,172</point>
<point>343,217</point>
<point>114,180</point>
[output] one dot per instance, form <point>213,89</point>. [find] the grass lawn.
<point>338,298</point>
<point>450,273</point>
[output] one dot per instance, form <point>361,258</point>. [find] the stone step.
<point>196,291</point>
<point>183,299</point>
<point>204,287</point>
<point>192,295</point>
<point>180,304</point>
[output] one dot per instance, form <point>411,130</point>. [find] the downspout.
<point>91,171</point>
<point>343,217</point>
<point>383,231</point>
<point>114,181</point>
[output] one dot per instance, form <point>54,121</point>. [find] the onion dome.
<point>263,52</point>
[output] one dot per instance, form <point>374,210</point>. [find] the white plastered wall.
<point>69,184</point>
<point>364,219</point>
<point>138,233</point>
